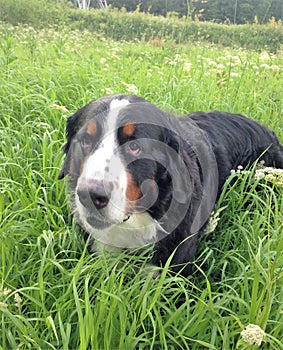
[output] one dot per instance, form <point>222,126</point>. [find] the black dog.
<point>140,176</point>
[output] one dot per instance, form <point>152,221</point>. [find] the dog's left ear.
<point>181,166</point>
<point>73,125</point>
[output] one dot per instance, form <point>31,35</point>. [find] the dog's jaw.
<point>138,230</point>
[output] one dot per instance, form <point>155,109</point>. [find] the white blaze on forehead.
<point>104,157</point>
<point>114,104</point>
<point>105,164</point>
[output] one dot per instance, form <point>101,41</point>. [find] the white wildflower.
<point>270,177</point>
<point>272,67</point>
<point>187,66</point>
<point>213,220</point>
<point>131,88</point>
<point>264,65</point>
<point>212,224</point>
<point>102,60</point>
<point>114,56</point>
<point>236,59</point>
<point>275,67</point>
<point>4,291</point>
<point>220,66</point>
<point>265,56</point>
<point>240,169</point>
<point>260,164</point>
<point>270,174</point>
<point>212,63</point>
<point>108,91</point>
<point>59,108</point>
<point>259,174</point>
<point>116,49</point>
<point>3,304</point>
<point>253,334</point>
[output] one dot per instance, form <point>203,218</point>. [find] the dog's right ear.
<point>74,123</point>
<point>65,168</point>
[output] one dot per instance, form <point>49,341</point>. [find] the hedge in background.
<point>139,26</point>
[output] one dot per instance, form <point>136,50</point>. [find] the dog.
<point>139,176</point>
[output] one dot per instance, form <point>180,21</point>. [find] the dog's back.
<point>237,140</point>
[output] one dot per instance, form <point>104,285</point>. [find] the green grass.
<point>53,294</point>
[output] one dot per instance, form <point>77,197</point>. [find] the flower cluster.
<point>262,173</point>
<point>271,175</point>
<point>5,292</point>
<point>213,221</point>
<point>253,334</point>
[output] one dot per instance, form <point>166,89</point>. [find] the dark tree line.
<point>234,11</point>
<point>239,11</point>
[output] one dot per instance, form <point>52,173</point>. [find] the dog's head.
<point>129,169</point>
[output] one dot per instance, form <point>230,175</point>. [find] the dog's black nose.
<point>96,193</point>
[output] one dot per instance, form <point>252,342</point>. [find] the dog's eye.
<point>134,148</point>
<point>86,142</point>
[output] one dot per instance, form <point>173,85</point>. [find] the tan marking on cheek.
<point>91,128</point>
<point>129,129</point>
<point>133,192</point>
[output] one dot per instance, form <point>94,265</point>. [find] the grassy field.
<point>53,294</point>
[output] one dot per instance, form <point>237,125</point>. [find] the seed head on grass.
<point>18,300</point>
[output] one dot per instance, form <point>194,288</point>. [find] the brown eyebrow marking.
<point>91,128</point>
<point>129,129</point>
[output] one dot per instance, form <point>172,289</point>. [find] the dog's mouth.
<point>103,222</point>
<point>126,218</point>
